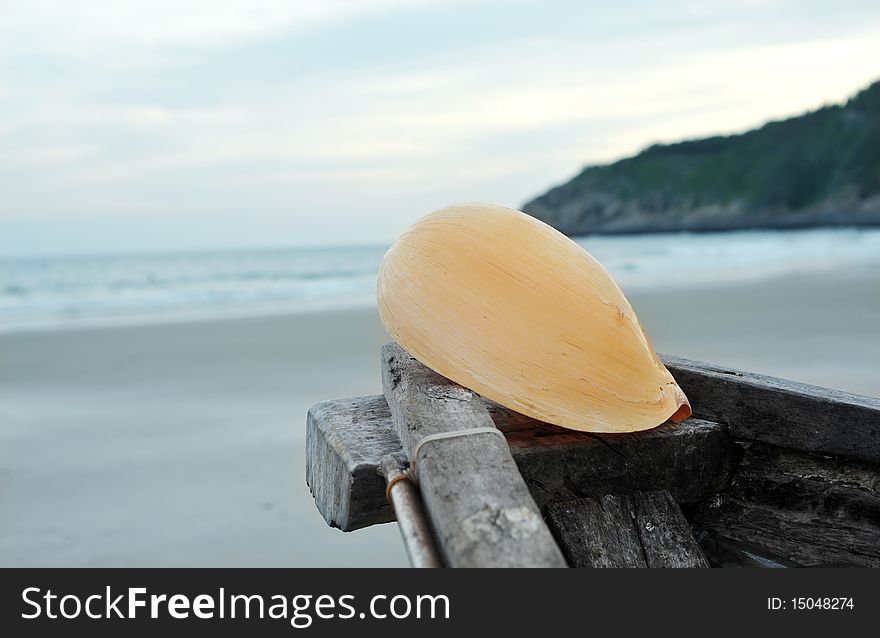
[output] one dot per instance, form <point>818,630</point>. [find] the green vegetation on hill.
<point>820,168</point>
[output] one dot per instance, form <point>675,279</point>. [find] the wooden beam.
<point>346,439</point>
<point>793,508</point>
<point>688,459</point>
<point>476,501</point>
<point>645,529</point>
<point>781,412</point>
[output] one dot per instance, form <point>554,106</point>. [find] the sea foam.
<point>64,291</point>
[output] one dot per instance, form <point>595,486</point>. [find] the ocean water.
<point>63,291</point>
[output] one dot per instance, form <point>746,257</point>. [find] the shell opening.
<point>684,406</point>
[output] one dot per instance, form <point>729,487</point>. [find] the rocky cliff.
<point>818,169</point>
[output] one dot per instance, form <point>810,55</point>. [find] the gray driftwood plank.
<point>345,440</point>
<point>597,532</point>
<point>644,529</point>
<point>477,503</point>
<point>348,437</point>
<point>664,532</point>
<point>793,508</point>
<point>688,459</point>
<point>782,412</point>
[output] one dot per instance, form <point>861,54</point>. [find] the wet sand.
<point>182,444</point>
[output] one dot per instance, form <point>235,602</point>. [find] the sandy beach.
<point>182,444</point>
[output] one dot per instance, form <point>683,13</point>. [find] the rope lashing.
<point>410,472</point>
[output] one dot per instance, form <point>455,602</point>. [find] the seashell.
<point>511,308</point>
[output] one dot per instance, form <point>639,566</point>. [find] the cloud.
<point>263,117</point>
<point>162,23</point>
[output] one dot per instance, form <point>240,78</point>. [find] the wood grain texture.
<point>782,412</point>
<point>344,445</point>
<point>644,529</point>
<point>793,508</point>
<point>664,532</point>
<point>784,507</point>
<point>689,459</point>
<point>479,507</point>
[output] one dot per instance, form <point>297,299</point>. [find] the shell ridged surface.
<point>509,307</point>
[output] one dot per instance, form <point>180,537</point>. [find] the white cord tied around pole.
<point>410,472</point>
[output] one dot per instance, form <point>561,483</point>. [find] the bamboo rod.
<point>414,529</point>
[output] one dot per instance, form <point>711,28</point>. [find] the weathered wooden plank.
<point>782,412</point>
<point>689,459</point>
<point>645,529</point>
<point>597,532</point>
<point>345,440</point>
<point>795,508</point>
<point>721,551</point>
<point>476,501</point>
<point>664,532</point>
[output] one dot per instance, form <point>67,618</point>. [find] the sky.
<point>171,125</point>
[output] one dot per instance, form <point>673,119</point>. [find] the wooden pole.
<point>404,497</point>
<point>477,503</point>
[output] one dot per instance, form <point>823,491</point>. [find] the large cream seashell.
<point>511,308</point>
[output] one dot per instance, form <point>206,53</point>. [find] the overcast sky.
<point>176,124</point>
